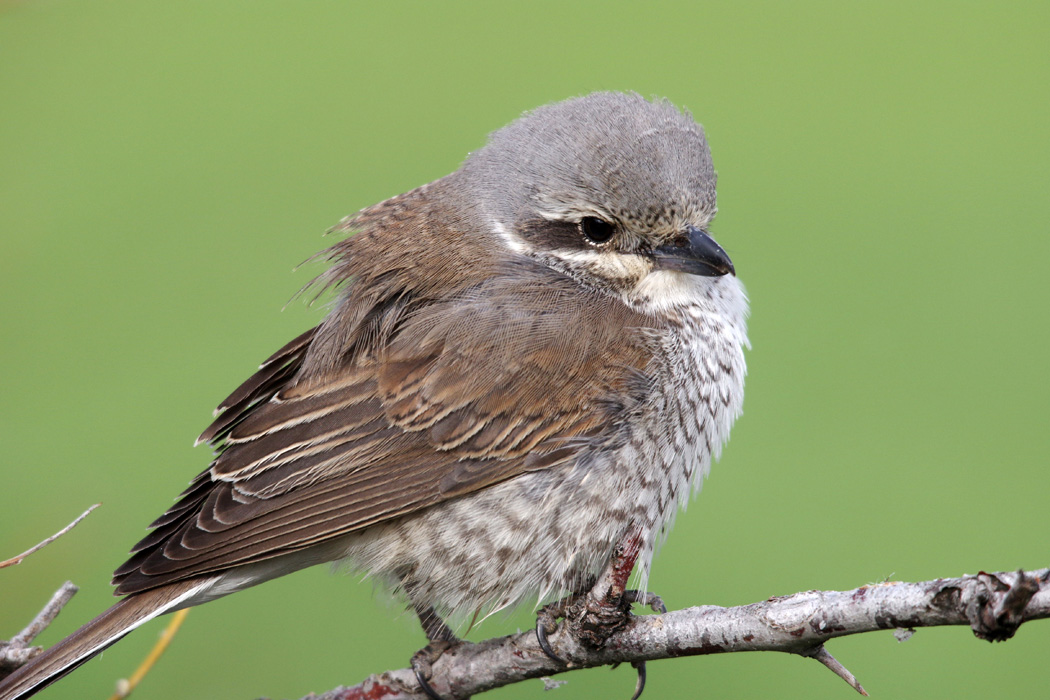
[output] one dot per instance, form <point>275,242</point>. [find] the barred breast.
<point>541,534</point>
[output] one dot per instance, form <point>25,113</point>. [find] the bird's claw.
<point>541,637</point>
<point>655,602</point>
<point>547,622</point>
<point>422,665</point>
<point>639,685</point>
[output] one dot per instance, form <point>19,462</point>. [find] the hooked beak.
<point>695,253</point>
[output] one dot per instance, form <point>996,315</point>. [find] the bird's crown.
<point>642,165</point>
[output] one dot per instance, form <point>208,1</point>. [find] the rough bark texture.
<point>992,605</point>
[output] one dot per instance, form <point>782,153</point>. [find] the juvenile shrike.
<point>530,360</point>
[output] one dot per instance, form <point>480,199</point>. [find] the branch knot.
<point>996,607</point>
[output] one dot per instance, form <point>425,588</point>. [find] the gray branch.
<point>19,649</point>
<point>992,605</point>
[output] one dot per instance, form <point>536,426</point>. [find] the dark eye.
<point>596,230</point>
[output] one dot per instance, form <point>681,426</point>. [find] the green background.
<point>884,178</point>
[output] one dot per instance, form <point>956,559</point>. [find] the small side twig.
<point>37,547</point>
<point>824,656</point>
<point>46,616</point>
<point>18,651</point>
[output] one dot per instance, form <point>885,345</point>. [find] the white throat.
<point>665,292</point>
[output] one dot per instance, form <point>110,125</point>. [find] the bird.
<point>526,362</point>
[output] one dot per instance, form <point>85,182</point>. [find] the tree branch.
<point>992,605</point>
<point>17,651</point>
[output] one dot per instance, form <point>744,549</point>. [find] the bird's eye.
<point>595,230</point>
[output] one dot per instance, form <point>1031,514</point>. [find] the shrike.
<point>530,360</point>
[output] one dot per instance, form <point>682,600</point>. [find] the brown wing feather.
<point>434,400</point>
<point>261,386</point>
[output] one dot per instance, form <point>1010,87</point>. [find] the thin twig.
<point>824,656</point>
<point>125,686</point>
<point>49,540</point>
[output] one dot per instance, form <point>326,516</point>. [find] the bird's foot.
<point>656,603</point>
<point>592,617</point>
<point>590,620</point>
<point>441,639</point>
<point>547,621</point>
<point>594,622</point>
<point>423,664</point>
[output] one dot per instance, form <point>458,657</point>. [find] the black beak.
<point>696,253</point>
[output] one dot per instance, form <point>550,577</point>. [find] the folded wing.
<point>454,396</point>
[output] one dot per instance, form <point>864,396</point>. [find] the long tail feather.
<point>95,636</point>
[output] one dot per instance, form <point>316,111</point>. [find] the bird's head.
<point>612,189</point>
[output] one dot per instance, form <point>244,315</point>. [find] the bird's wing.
<point>504,378</point>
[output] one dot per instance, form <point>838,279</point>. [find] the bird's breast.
<point>544,532</point>
<point>698,389</point>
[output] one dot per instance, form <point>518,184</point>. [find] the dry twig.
<point>17,651</point>
<point>37,547</point>
<point>992,605</point>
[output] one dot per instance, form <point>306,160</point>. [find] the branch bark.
<point>992,605</point>
<point>18,650</point>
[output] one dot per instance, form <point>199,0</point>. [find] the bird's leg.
<point>607,605</point>
<point>441,638</point>
<point>433,626</point>
<point>601,609</point>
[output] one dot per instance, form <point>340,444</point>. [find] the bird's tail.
<point>95,636</point>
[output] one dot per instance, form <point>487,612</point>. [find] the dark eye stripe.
<point>585,234</point>
<point>552,235</point>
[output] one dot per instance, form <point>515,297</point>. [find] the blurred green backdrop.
<point>884,187</point>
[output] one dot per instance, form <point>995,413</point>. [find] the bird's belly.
<point>526,539</point>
